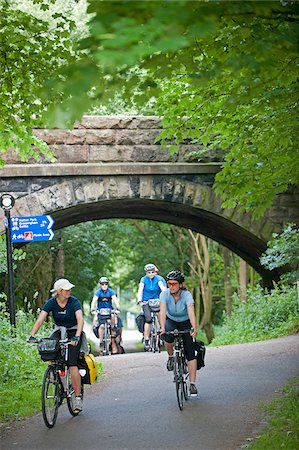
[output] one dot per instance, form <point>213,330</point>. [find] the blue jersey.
<point>64,317</point>
<point>151,287</point>
<point>105,298</point>
<point>177,311</point>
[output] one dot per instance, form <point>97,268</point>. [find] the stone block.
<point>132,137</point>
<point>95,190</point>
<point>146,186</point>
<point>71,153</point>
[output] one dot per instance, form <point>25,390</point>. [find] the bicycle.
<point>155,341</point>
<point>57,383</point>
<point>180,369</point>
<point>104,315</point>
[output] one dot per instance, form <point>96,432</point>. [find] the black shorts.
<point>73,350</point>
<point>171,325</point>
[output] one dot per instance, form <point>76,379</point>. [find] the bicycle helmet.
<point>175,275</point>
<point>148,267</point>
<point>104,280</point>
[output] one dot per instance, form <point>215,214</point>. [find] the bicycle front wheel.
<point>107,340</point>
<point>50,396</point>
<point>179,383</point>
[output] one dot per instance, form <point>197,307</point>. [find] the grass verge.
<point>282,414</point>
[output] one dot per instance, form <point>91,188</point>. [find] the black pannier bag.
<point>200,351</point>
<point>49,349</point>
<point>140,321</point>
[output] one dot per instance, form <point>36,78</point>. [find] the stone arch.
<point>186,201</point>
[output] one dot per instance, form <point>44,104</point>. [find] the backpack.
<point>88,369</point>
<point>200,351</point>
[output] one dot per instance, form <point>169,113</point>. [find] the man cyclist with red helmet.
<point>103,298</point>
<point>177,312</point>
<point>150,287</point>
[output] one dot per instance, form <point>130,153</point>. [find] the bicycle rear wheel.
<point>50,396</point>
<point>70,399</point>
<point>178,378</point>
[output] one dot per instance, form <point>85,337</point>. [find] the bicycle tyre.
<point>178,378</point>
<point>106,340</point>
<point>70,399</point>
<point>186,381</point>
<point>50,396</point>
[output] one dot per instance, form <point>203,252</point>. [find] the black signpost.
<point>7,202</point>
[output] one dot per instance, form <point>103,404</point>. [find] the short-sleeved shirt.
<point>161,279</point>
<point>66,316</point>
<point>177,311</point>
<point>151,287</point>
<point>105,298</point>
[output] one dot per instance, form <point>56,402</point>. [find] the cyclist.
<point>104,298</point>
<point>177,312</point>
<point>150,287</point>
<point>68,317</point>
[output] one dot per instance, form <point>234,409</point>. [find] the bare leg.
<point>169,348</point>
<point>76,380</point>
<point>192,367</point>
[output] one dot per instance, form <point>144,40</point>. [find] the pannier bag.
<point>88,368</point>
<point>49,349</point>
<point>200,351</point>
<point>140,321</point>
<point>154,304</point>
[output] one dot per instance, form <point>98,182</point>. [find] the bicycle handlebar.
<point>176,332</point>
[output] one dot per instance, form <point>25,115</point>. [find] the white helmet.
<point>104,280</point>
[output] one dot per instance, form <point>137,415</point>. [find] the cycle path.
<point>134,406</point>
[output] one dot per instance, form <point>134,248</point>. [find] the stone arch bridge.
<point>112,167</point>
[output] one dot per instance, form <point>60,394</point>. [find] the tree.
<point>283,250</point>
<point>36,41</point>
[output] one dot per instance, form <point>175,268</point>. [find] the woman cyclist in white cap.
<point>67,314</point>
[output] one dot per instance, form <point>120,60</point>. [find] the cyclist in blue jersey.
<point>68,318</point>
<point>104,297</point>
<point>150,287</point>
<point>177,312</point>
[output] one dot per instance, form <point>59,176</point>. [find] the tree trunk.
<point>227,282</point>
<point>199,243</point>
<point>242,280</point>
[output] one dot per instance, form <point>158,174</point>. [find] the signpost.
<point>31,228</point>
<point>21,229</point>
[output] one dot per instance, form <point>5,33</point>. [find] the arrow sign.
<point>31,228</point>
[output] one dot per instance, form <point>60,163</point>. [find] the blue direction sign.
<point>31,228</point>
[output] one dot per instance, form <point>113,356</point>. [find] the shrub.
<point>265,315</point>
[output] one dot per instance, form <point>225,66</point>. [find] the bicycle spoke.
<point>50,397</point>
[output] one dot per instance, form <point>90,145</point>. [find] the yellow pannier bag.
<point>88,368</point>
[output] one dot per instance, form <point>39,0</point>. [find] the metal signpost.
<point>21,229</point>
<point>7,202</point>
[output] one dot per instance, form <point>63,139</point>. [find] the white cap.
<point>62,283</point>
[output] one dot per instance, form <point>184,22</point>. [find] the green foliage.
<point>36,41</point>
<point>282,421</point>
<point>265,315</point>
<point>283,250</point>
<point>21,369</point>
<point>17,255</point>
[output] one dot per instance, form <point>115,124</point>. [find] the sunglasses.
<point>172,283</point>
<point>103,283</point>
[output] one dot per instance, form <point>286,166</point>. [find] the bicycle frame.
<point>107,332</point>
